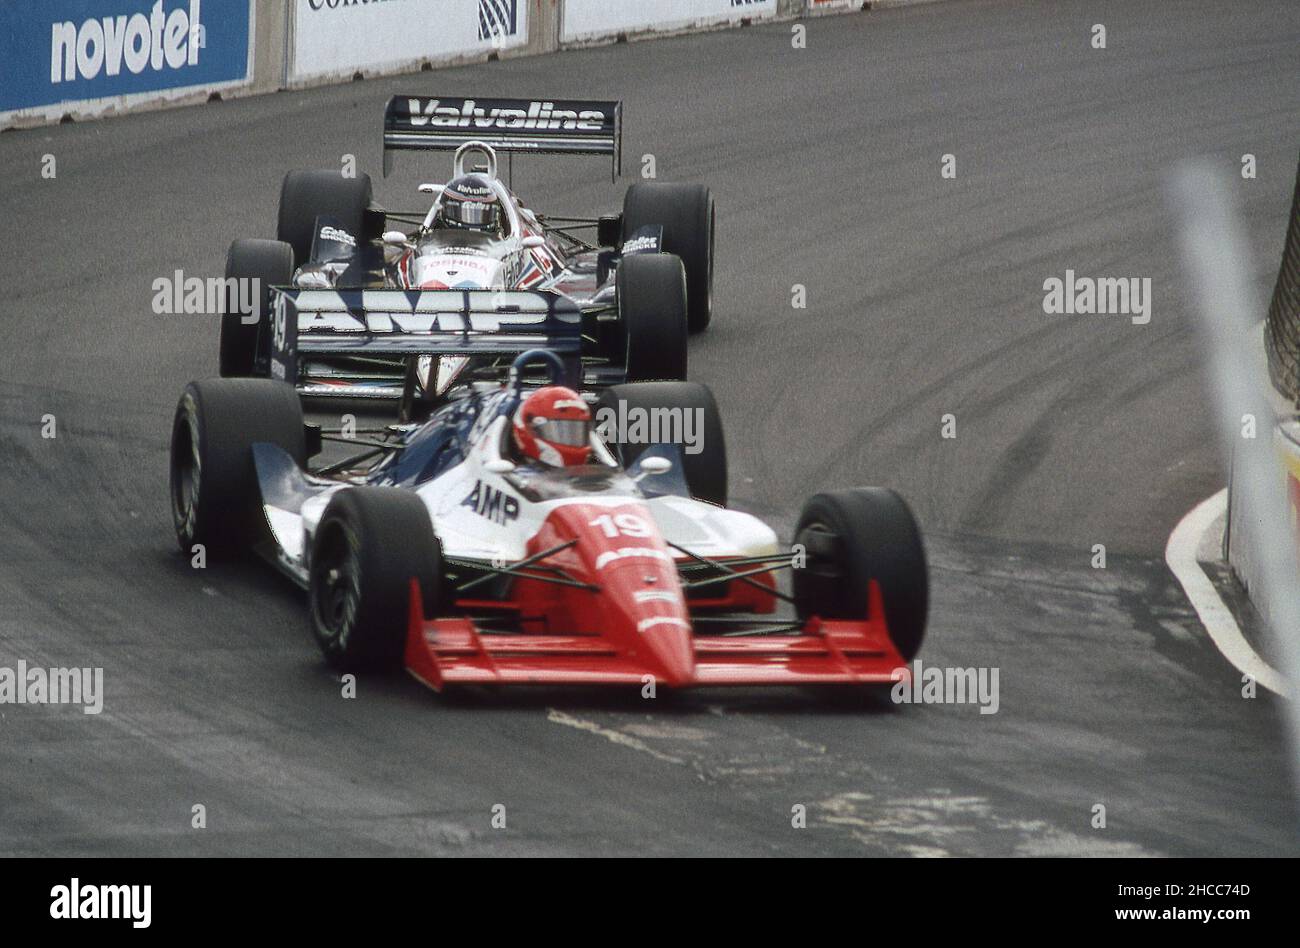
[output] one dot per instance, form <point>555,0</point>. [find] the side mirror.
<point>656,465</point>
<point>394,238</point>
<point>430,189</point>
<point>499,466</point>
<point>532,241</point>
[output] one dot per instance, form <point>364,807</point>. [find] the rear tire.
<point>306,195</point>
<point>270,262</point>
<point>370,543</point>
<point>705,472</point>
<point>851,537</point>
<point>651,292</point>
<point>686,213</point>
<point>215,497</point>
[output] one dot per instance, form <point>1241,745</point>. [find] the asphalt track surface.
<point>924,298</point>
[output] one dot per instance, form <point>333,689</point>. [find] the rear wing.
<point>537,126</point>
<point>311,323</point>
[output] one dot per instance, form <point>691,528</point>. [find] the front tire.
<point>215,497</point>
<point>687,214</point>
<point>306,195</point>
<point>651,292</point>
<point>270,263</point>
<point>371,542</point>
<point>854,536</point>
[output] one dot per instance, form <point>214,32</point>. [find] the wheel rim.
<point>335,585</point>
<point>821,570</point>
<point>821,535</point>
<point>187,469</point>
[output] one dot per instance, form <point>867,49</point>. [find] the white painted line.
<point>1219,622</point>
<point>615,737</point>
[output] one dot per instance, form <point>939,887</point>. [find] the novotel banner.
<point>86,56</point>
<point>594,19</point>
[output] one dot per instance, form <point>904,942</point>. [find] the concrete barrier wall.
<point>584,21</point>
<point>82,59</point>
<point>1239,545</point>
<point>1276,346</point>
<point>331,41</point>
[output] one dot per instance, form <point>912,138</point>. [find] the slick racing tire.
<point>270,263</point>
<point>651,292</point>
<point>686,213</point>
<point>370,544</point>
<point>215,498</point>
<point>851,537</point>
<point>306,195</point>
<point>705,470</point>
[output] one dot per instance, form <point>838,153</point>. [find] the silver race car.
<point>639,282</point>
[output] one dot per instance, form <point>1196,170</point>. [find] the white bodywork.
<point>460,270</point>
<point>704,529</point>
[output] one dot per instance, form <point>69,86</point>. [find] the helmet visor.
<point>573,434</point>
<point>471,213</point>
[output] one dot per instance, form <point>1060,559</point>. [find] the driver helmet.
<point>470,202</point>
<point>553,426</point>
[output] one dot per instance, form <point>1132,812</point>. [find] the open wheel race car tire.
<point>651,291</point>
<point>851,537</point>
<point>215,498</point>
<point>705,472</point>
<point>306,195</point>
<point>270,263</point>
<point>370,544</point>
<point>687,215</point>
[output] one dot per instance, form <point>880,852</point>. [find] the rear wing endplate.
<point>537,126</point>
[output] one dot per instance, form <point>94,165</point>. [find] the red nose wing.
<point>453,651</point>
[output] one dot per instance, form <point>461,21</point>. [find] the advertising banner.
<point>89,56</point>
<point>594,19</point>
<point>333,38</point>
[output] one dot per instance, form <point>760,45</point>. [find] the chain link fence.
<point>1283,336</point>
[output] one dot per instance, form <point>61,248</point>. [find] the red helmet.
<point>553,425</point>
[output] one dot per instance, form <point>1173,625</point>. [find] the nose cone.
<point>642,611</point>
<point>651,598</point>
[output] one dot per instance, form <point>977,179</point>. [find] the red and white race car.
<point>465,551</point>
